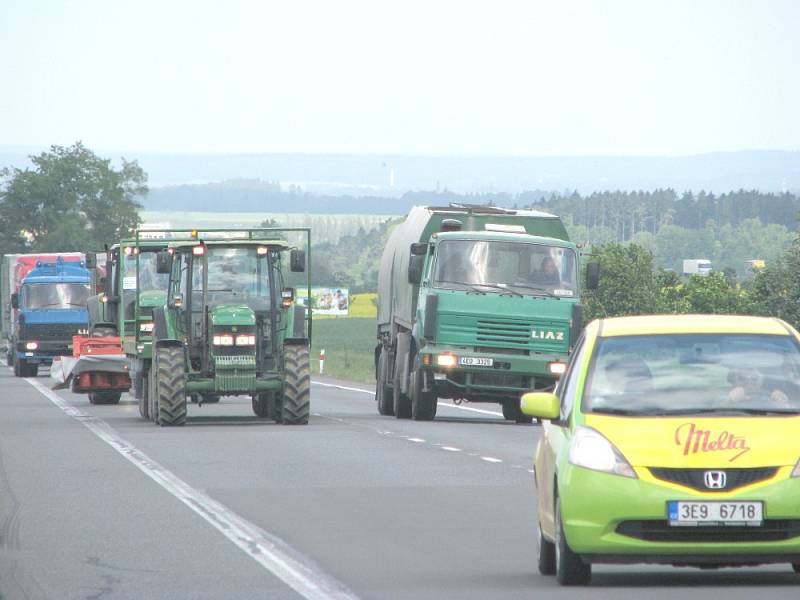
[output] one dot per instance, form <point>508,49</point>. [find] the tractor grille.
<point>773,530</point>
<point>694,478</point>
<point>234,373</point>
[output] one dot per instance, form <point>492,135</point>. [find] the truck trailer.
<point>475,303</point>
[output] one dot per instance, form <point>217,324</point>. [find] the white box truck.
<point>696,266</point>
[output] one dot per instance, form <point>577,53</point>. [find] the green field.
<point>349,343</point>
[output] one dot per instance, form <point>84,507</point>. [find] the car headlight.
<point>589,449</point>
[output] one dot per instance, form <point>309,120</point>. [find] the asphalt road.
<point>97,503</point>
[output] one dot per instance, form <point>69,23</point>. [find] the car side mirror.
<point>592,275</point>
<point>542,405</point>
<point>415,264</point>
<point>91,260</point>
<point>297,261</point>
<point>163,263</point>
<point>15,300</point>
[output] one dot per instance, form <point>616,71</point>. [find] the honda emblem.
<point>715,480</point>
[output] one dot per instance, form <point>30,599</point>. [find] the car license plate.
<point>475,361</point>
<point>690,514</point>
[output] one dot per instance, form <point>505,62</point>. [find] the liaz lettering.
<point>542,334</point>
<point>695,440</point>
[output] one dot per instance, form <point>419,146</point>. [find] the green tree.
<point>69,198</point>
<point>627,283</point>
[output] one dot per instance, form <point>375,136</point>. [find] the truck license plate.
<point>475,361</point>
<point>690,514</point>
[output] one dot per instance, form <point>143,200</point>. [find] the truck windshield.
<point>236,274</point>
<point>522,267</point>
<point>56,295</point>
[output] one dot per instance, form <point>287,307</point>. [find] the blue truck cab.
<point>52,308</point>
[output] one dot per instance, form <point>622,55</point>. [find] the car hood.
<point>708,442</point>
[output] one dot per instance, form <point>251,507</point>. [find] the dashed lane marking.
<point>272,553</point>
<point>440,404</point>
<point>491,459</point>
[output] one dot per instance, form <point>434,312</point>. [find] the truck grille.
<point>507,333</point>
<point>47,331</point>
<point>504,332</point>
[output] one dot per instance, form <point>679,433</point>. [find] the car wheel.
<point>796,567</point>
<point>570,569</point>
<point>547,555</point>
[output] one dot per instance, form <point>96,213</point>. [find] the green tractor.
<point>230,326</point>
<point>132,289</point>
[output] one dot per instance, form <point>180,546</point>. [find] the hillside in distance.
<point>392,176</point>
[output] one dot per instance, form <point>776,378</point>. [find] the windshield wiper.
<point>728,411</point>
<point>462,284</point>
<point>611,410</point>
<point>534,288</point>
<point>504,288</point>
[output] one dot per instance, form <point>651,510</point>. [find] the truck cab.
<point>52,302</point>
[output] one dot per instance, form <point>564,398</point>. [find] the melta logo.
<point>695,440</point>
<point>543,334</point>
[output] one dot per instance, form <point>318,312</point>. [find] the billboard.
<point>329,301</point>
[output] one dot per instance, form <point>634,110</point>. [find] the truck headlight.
<point>557,368</point>
<point>146,327</point>
<point>225,339</point>
<point>31,345</point>
<point>589,449</point>
<point>446,360</point>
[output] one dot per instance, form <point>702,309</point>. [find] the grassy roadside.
<point>349,343</point>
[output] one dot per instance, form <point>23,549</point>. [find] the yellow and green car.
<point>671,439</point>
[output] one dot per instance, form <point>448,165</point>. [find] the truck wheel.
<point>402,403</point>
<point>17,372</point>
<point>383,394</point>
<point>423,404</point>
<point>170,386</point>
<point>23,369</point>
<point>9,358</point>
<point>261,404</point>
<point>296,404</point>
<point>144,397</point>
<point>513,412</point>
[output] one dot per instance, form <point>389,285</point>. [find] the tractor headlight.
<point>146,327</point>
<point>223,339</point>
<point>32,346</point>
<point>246,339</point>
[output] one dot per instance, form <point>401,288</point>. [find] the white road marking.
<point>440,403</point>
<point>272,553</point>
<point>451,449</point>
<point>491,459</point>
<point>416,440</point>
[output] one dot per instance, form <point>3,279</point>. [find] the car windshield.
<point>516,266</point>
<point>684,374</point>
<point>235,274</point>
<point>56,295</point>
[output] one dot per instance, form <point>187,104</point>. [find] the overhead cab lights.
<point>131,251</point>
<point>199,250</point>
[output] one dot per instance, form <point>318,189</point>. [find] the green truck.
<point>475,303</point>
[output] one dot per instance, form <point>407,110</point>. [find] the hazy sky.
<point>490,77</point>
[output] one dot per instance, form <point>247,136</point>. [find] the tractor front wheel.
<point>170,385</point>
<point>296,404</point>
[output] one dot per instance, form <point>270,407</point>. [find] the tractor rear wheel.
<point>296,404</point>
<point>152,395</point>
<point>170,385</point>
